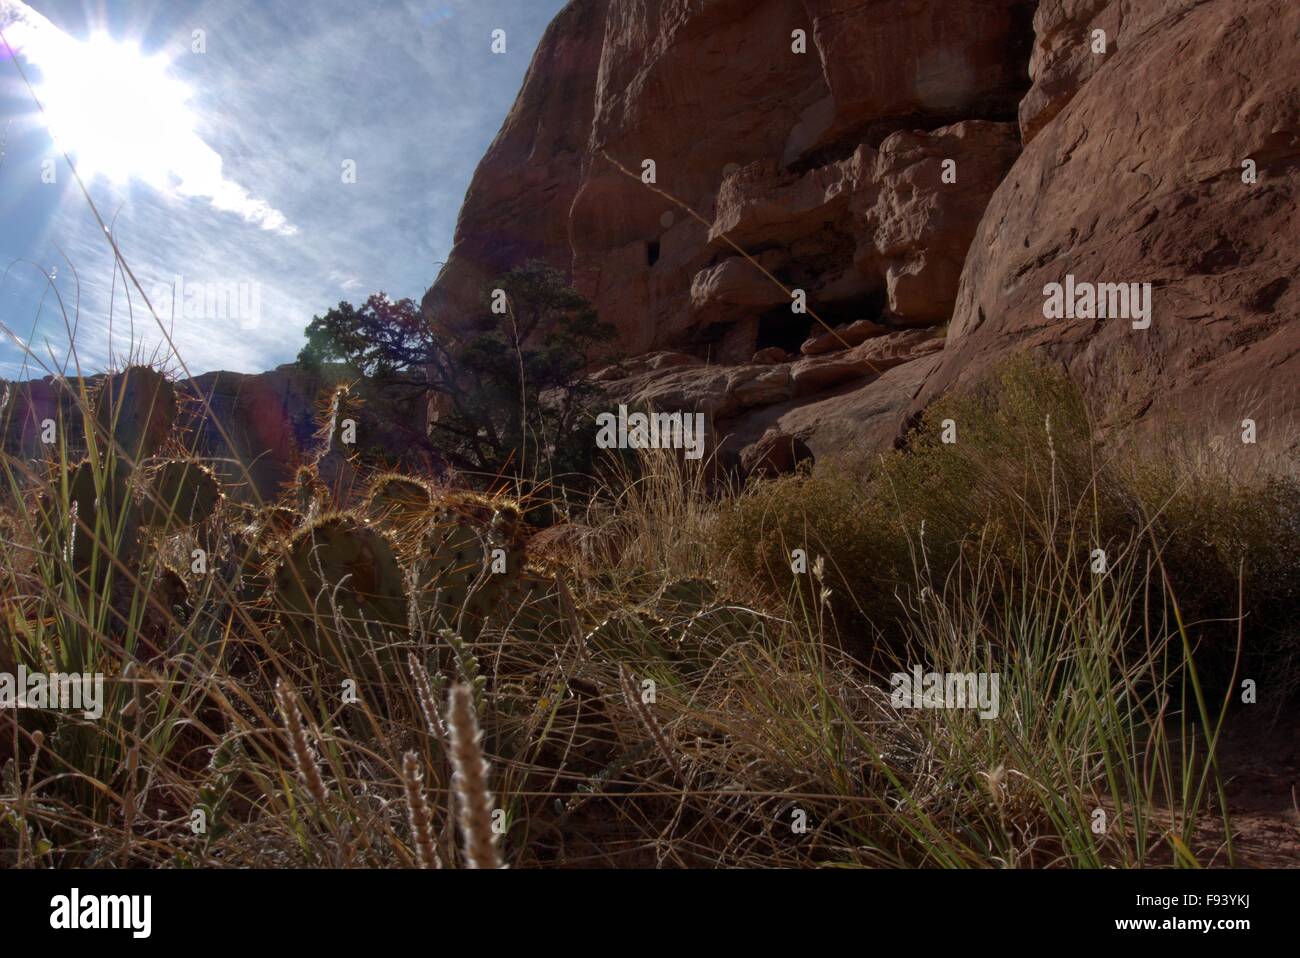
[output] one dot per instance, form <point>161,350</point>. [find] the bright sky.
<point>264,159</point>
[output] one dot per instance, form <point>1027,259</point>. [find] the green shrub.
<point>847,535</point>
<point>1224,541</point>
<point>1017,480</point>
<point>1024,473</point>
<point>1029,479</point>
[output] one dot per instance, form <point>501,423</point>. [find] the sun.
<point>123,115</point>
<point>120,113</point>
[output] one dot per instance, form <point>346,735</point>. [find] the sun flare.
<point>123,115</point>
<point>118,111</point>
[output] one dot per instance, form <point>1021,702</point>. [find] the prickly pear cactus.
<point>470,560</point>
<point>306,491</point>
<point>86,513</point>
<point>629,632</point>
<point>336,442</point>
<point>685,620</point>
<point>91,517</point>
<point>339,589</point>
<point>79,518</point>
<point>180,493</point>
<point>336,407</point>
<point>135,412</point>
<point>163,613</point>
<point>271,525</point>
<point>701,621</point>
<point>398,500</point>
<point>534,610</point>
<point>722,625</point>
<point>687,595</point>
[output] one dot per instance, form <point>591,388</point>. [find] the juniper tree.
<point>511,397</point>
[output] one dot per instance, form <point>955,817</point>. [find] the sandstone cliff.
<point>267,421</point>
<point>1134,173</point>
<point>914,167</point>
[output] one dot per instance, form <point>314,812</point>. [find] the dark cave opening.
<point>870,306</point>
<point>784,328</point>
<point>787,329</point>
<point>652,252</point>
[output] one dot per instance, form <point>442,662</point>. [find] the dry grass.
<point>631,715</point>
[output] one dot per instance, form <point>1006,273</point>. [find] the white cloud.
<point>344,281</point>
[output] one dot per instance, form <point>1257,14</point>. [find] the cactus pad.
<point>339,568</point>
<point>136,410</point>
<point>470,559</point>
<point>398,499</point>
<point>181,493</point>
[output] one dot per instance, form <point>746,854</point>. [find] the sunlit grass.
<point>770,738</point>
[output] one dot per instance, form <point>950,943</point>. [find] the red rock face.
<point>1138,178</point>
<point>261,427</point>
<point>866,155</point>
<point>518,201</point>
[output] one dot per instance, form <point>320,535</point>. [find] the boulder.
<point>916,224</point>
<point>772,354</point>
<point>775,454</point>
<point>844,336</point>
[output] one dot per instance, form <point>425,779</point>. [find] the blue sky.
<point>242,189</point>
